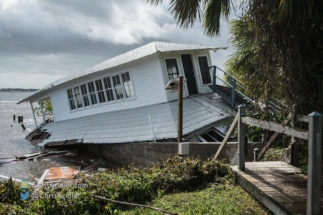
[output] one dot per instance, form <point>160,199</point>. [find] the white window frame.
<point>95,93</point>
<point>130,85</point>
<point>111,88</point>
<point>200,71</point>
<point>119,74</point>
<point>103,90</point>
<point>165,66</point>
<point>87,94</point>
<point>77,98</point>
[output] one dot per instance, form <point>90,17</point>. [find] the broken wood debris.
<point>37,136</point>
<point>63,143</point>
<point>37,155</point>
<point>91,167</point>
<point>62,173</point>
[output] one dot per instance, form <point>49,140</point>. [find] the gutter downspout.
<point>32,109</point>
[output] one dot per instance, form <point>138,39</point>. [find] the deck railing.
<point>237,86</point>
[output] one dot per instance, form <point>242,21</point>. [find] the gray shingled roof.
<point>133,125</point>
<point>127,57</point>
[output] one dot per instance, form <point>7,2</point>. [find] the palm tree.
<point>186,12</point>
<point>279,48</point>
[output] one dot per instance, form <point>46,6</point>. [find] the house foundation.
<point>146,154</point>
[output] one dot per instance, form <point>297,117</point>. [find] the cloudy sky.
<point>44,40</point>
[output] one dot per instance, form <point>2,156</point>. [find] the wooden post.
<point>180,109</point>
<point>214,78</point>
<point>294,147</point>
<point>32,110</point>
<point>314,163</point>
<point>241,137</point>
<point>227,137</point>
<point>233,92</point>
<point>42,112</point>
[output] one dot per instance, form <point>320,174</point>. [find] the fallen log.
<point>134,205</point>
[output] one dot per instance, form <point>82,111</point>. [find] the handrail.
<point>236,90</point>
<point>240,84</point>
<point>237,81</point>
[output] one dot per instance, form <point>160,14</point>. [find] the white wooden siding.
<point>147,82</point>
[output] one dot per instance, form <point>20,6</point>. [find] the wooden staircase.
<point>228,91</point>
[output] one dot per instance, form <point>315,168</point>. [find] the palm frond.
<point>186,12</point>
<point>214,10</point>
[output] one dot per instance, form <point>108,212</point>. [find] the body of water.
<point>12,136</point>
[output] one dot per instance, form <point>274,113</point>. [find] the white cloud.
<point>43,40</point>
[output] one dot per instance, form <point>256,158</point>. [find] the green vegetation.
<point>278,45</point>
<point>278,48</point>
<point>47,108</point>
<point>185,186</point>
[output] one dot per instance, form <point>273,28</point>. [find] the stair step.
<point>225,93</point>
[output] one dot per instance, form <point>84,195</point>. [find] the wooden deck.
<point>277,185</point>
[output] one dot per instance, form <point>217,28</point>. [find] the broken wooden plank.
<point>62,173</point>
<point>226,138</point>
<point>273,137</point>
<point>86,169</point>
<point>272,126</point>
<point>62,143</point>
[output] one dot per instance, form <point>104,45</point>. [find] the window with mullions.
<point>127,84</point>
<point>99,88</point>
<point>85,95</point>
<point>92,93</point>
<point>78,98</point>
<point>108,88</point>
<point>172,69</point>
<point>71,99</point>
<point>117,86</point>
<point>205,72</point>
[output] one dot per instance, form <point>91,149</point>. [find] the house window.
<point>78,98</point>
<point>71,99</point>
<point>205,72</point>
<point>172,69</point>
<point>92,93</point>
<point>127,84</point>
<point>85,95</point>
<point>117,86</point>
<point>108,88</point>
<point>212,135</point>
<point>99,88</point>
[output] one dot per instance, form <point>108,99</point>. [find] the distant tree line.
<point>17,90</point>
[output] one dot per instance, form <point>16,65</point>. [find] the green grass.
<point>181,185</point>
<point>215,199</point>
